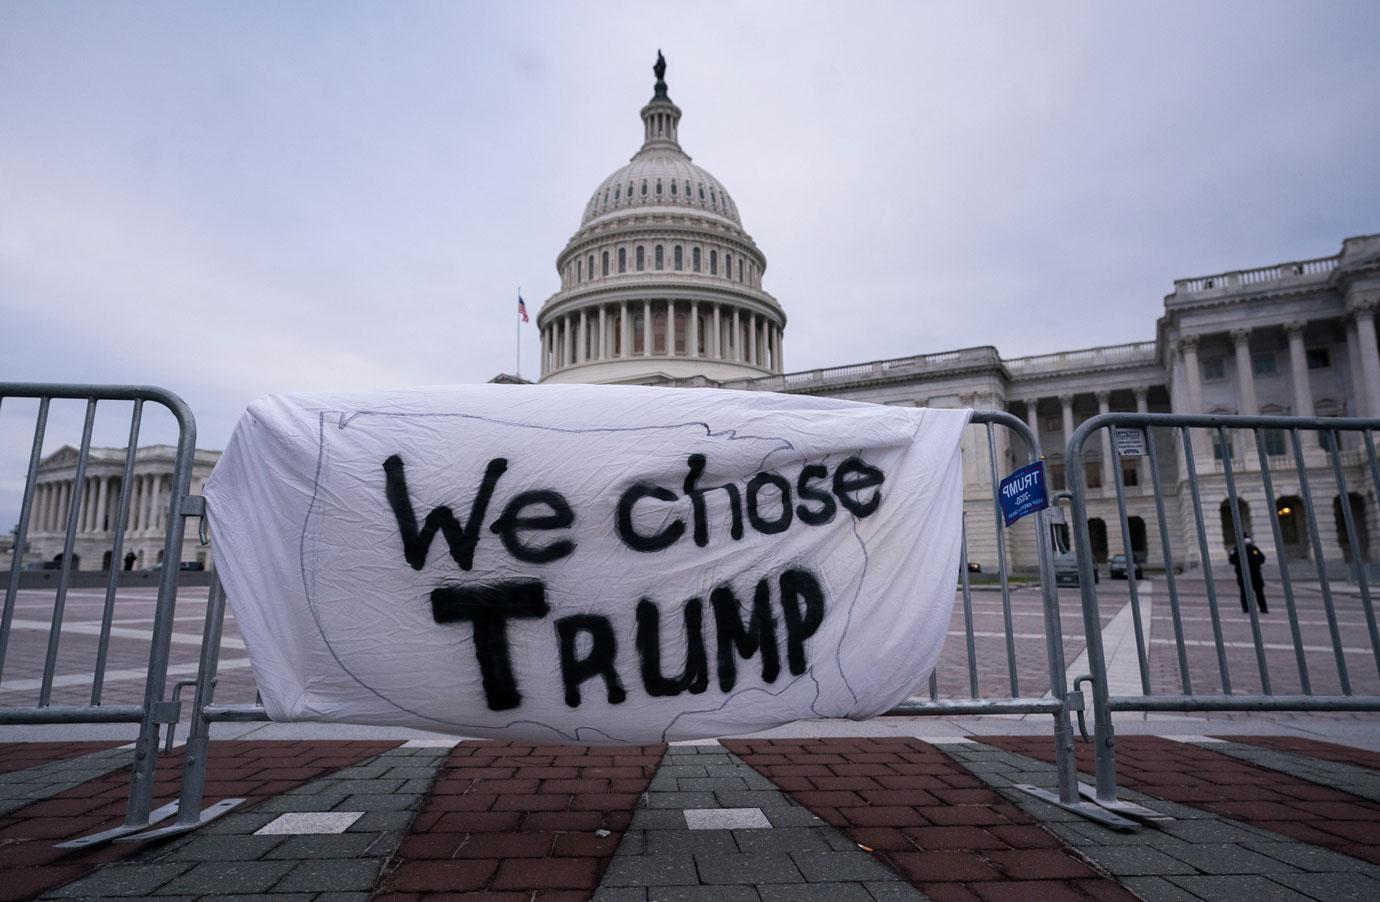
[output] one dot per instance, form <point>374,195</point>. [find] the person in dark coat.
<point>1255,560</point>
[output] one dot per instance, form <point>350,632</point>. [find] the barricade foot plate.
<point>208,814</point>
<point>1084,809</point>
<point>1128,809</point>
<point>105,836</point>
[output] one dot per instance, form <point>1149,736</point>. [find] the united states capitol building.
<point>662,285</point>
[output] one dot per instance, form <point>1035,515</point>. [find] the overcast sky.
<point>232,199</point>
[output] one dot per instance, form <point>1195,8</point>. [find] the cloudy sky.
<point>232,199</point>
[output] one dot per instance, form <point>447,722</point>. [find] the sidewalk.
<point>837,818</point>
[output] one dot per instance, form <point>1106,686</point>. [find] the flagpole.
<point>518,345</point>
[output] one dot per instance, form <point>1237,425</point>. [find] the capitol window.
<point>590,270</point>
<point>1214,370</point>
<point>660,257</point>
<point>579,270</point>
<point>1318,358</point>
<point>679,256</point>
<point>639,343</point>
<point>713,263</point>
<point>641,258</point>
<point>673,189</point>
<point>728,266</point>
<point>604,269</point>
<point>616,192</point>
<point>644,187</point>
<point>695,259</point>
<point>701,187</point>
<point>622,259</point>
<point>658,187</point>
<point>1263,364</point>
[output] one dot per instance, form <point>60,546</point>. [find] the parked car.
<point>1117,568</point>
<point>1066,569</point>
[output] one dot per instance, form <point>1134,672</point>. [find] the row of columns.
<point>751,337</point>
<point>1362,353</point>
<point>53,503</point>
<point>1104,405</point>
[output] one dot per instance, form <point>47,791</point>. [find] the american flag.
<point>522,309</point>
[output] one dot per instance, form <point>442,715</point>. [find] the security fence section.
<point>66,512</point>
<point>1279,512</point>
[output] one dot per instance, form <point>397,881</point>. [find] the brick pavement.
<point>23,755</point>
<point>1313,748</point>
<point>928,818</point>
<point>1198,776</point>
<point>508,822</point>
<point>31,864</point>
<point>844,820</point>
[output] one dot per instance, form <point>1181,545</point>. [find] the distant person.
<point>1255,560</point>
<point>129,560</point>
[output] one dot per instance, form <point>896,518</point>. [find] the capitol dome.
<point>660,281</point>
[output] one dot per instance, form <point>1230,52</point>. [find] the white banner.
<point>595,564</point>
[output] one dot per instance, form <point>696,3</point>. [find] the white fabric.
<point>340,626</point>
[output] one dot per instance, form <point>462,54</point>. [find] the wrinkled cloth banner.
<point>594,564</point>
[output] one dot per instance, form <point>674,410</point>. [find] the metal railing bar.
<point>1206,558</point>
<point>1244,703</point>
<point>1185,682</point>
<point>21,535</point>
<point>1142,649</point>
<point>1001,568</point>
<point>1244,579</point>
<point>1320,562</point>
<point>198,734</point>
<point>968,611</point>
<point>1358,560</point>
<point>45,692</point>
<point>121,522</point>
<point>1286,582</point>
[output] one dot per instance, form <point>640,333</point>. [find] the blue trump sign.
<point>1023,492</point>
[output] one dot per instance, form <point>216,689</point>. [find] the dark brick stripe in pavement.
<point>1195,856</point>
<point>508,822</point>
<point>1313,748</point>
<point>940,826</point>
<point>23,755</point>
<point>1197,776</point>
<point>230,859</point>
<point>30,865</point>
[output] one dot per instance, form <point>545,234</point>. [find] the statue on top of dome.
<point>660,70</point>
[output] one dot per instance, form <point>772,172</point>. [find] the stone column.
<point>1104,405</point>
<point>582,336</point>
<point>780,351</point>
<point>84,512</point>
<point>1364,313</point>
<point>1360,403</point>
<point>1193,375</point>
<point>38,519</point>
<point>1298,368</point>
<point>694,344</point>
<point>160,500</point>
<point>1032,418</point>
<point>670,328</point>
<point>737,342</point>
<point>624,331</point>
<point>1143,465</point>
<point>603,332</point>
<point>104,489</point>
<point>150,503</point>
<point>64,503</point>
<point>1246,400</point>
<point>716,338</point>
<point>646,328</point>
<point>1066,402</point>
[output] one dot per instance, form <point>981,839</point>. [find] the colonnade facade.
<point>621,330</point>
<point>99,504</point>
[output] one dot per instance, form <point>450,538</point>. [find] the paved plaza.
<point>1261,807</point>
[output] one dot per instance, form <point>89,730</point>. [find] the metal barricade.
<point>67,510</point>
<point>1192,461</point>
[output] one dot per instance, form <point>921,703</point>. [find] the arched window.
<point>616,324</point>
<point>695,259</point>
<point>679,257</point>
<point>673,189</point>
<point>660,257</point>
<point>639,333</point>
<point>579,270</point>
<point>622,259</point>
<point>700,342</point>
<point>713,262</point>
<point>740,268</point>
<point>641,258</point>
<point>658,187</point>
<point>606,197</point>
<point>644,187</point>
<point>604,268</point>
<point>682,333</point>
<point>617,192</point>
<point>630,191</point>
<point>687,188</point>
<point>728,266</point>
<point>701,187</point>
<point>590,269</point>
